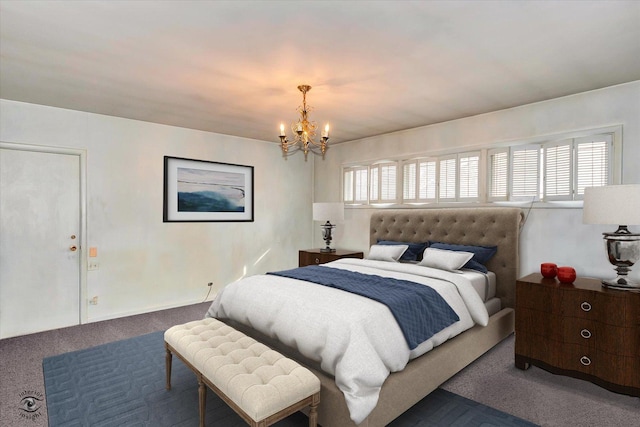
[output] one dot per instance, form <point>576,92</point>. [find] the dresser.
<point>581,330</point>
<point>315,257</point>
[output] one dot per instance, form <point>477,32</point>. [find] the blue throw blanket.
<point>419,310</point>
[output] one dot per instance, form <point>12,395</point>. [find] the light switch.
<point>93,252</point>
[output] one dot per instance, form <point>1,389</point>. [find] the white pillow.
<point>387,252</point>
<point>445,260</point>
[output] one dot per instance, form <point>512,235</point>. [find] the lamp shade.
<point>612,204</point>
<point>332,212</point>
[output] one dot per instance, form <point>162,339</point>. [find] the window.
<point>468,177</point>
<point>593,154</point>
<point>419,180</point>
<point>427,180</point>
<point>447,182</point>
<point>448,178</point>
<point>557,170</point>
<point>498,174</point>
<point>410,183</point>
<point>536,169</point>
<point>383,183</point>
<point>525,172</point>
<point>355,185</point>
<point>458,177</point>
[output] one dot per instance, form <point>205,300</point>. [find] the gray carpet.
<point>535,395</point>
<point>122,384</point>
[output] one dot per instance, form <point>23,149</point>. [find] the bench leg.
<point>167,362</point>
<point>313,410</point>
<point>202,398</point>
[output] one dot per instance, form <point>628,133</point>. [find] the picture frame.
<point>205,191</point>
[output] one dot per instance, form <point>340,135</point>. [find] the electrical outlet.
<point>94,301</point>
<point>93,265</point>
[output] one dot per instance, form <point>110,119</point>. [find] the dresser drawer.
<point>539,323</point>
<point>585,304</point>
<point>595,335</point>
<point>528,295</point>
<point>538,347</point>
<point>581,331</point>
<point>606,366</point>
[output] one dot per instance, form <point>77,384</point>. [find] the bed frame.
<point>402,390</point>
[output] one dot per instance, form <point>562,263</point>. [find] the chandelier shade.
<point>304,132</point>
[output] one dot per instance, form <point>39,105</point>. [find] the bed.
<point>421,375</point>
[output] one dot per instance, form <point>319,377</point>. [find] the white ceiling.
<point>375,67</point>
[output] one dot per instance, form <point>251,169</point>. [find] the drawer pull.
<point>585,361</point>
<point>585,306</point>
<point>585,333</point>
<point>317,260</point>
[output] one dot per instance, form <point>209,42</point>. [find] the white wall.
<point>146,264</point>
<point>551,233</point>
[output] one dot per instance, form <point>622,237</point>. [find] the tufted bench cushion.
<point>260,384</point>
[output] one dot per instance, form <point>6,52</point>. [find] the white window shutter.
<point>525,172</point>
<point>360,185</point>
<point>374,188</point>
<point>557,170</point>
<point>447,183</point>
<point>388,182</point>
<point>409,181</point>
<point>592,162</point>
<point>498,171</point>
<point>347,195</point>
<point>383,183</point>
<point>427,181</point>
<point>468,166</point>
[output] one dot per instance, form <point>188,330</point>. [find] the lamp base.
<point>621,283</point>
<point>326,235</point>
<point>623,250</point>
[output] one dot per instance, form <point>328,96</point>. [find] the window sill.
<point>569,204</point>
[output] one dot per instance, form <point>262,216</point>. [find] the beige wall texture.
<point>146,264</point>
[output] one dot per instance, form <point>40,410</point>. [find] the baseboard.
<point>147,310</point>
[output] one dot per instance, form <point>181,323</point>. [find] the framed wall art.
<point>203,191</point>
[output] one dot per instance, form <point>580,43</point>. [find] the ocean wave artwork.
<point>210,191</point>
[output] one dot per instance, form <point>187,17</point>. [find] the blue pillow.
<point>481,254</point>
<point>413,253</point>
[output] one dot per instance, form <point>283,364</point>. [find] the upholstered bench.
<point>259,384</point>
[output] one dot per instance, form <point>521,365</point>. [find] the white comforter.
<point>353,338</point>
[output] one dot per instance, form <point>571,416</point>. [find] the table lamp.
<point>329,212</point>
<point>616,205</point>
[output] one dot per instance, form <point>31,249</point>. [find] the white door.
<point>39,241</point>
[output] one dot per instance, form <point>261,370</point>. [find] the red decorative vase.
<point>548,270</point>
<point>566,274</point>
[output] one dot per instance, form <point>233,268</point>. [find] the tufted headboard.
<point>466,226</point>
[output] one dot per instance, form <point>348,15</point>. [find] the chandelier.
<point>304,132</point>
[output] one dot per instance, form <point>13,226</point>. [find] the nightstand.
<point>582,330</point>
<point>315,257</point>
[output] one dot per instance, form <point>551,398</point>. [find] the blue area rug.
<point>123,384</point>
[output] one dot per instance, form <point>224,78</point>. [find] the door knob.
<point>73,248</point>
